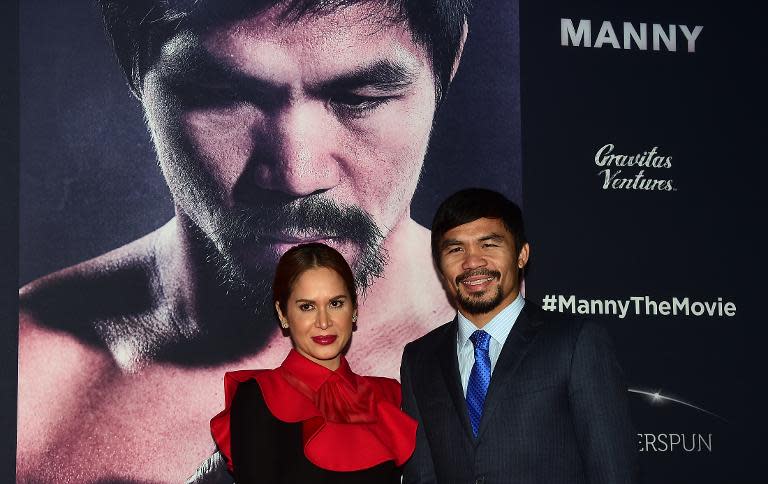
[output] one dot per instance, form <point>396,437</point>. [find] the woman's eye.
<point>305,307</point>
<point>337,304</point>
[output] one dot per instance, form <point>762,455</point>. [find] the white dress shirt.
<point>498,327</point>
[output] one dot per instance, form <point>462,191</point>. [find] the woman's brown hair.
<point>301,258</point>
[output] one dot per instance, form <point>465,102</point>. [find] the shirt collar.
<point>498,327</point>
<point>314,374</point>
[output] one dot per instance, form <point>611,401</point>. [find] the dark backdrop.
<point>9,211</point>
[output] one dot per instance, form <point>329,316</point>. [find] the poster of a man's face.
<point>273,124</point>
<point>272,132</point>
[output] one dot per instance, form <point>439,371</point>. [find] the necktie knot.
<point>480,340</point>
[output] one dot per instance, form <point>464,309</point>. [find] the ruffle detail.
<point>349,422</point>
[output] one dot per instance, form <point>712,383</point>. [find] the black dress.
<point>267,450</point>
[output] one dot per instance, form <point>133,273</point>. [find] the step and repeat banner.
<point>639,212</point>
<point>169,149</point>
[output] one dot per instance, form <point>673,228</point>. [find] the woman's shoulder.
<point>243,381</point>
<point>242,376</point>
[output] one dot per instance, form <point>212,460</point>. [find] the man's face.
<point>480,265</point>
<point>272,133</point>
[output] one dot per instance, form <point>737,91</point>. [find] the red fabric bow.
<point>349,422</point>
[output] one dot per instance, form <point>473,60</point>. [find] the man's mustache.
<point>477,272</point>
<point>307,217</point>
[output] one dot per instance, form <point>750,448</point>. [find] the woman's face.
<point>319,315</point>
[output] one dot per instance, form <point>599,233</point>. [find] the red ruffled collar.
<point>349,422</point>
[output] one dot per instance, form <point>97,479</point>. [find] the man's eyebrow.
<point>492,236</point>
<point>199,67</point>
<point>449,242</point>
<point>384,75</point>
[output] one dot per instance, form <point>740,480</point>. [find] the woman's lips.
<point>324,339</point>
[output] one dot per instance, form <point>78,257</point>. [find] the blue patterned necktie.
<point>479,378</point>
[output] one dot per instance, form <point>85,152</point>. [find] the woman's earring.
<point>284,325</point>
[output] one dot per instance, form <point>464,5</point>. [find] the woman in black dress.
<point>312,420</point>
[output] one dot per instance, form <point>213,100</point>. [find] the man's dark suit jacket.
<point>556,410</point>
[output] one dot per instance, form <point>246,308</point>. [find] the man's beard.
<point>311,217</point>
<point>474,304</point>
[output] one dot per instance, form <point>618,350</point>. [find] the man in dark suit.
<point>506,392</point>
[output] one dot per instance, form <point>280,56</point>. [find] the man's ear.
<point>522,257</point>
<point>457,60</point>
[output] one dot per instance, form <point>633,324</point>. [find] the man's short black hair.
<point>139,27</point>
<point>470,204</point>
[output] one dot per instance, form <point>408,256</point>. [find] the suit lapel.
<point>515,347</point>
<point>449,365</point>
